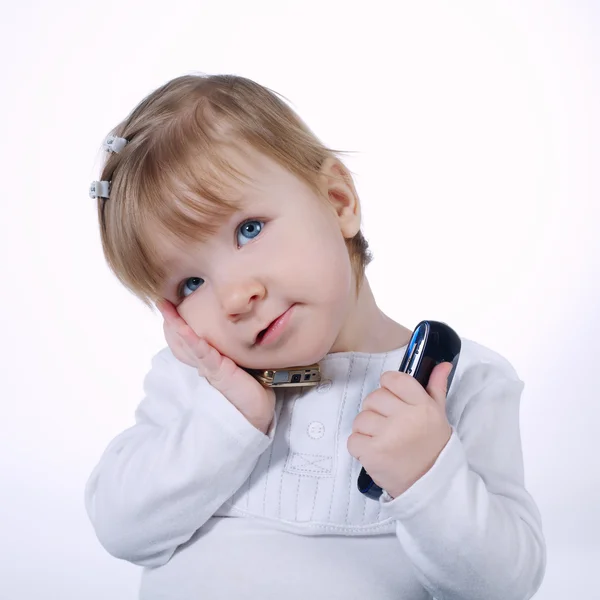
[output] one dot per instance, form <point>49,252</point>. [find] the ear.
<point>337,186</point>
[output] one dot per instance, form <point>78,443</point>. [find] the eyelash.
<point>180,295</point>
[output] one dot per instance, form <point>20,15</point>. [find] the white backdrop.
<point>477,122</point>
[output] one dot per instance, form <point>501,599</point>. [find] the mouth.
<point>274,329</point>
<point>260,336</point>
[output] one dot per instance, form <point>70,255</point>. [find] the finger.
<point>198,346</point>
<point>210,362</point>
<point>368,423</point>
<point>357,444</point>
<point>405,387</point>
<point>162,305</point>
<point>168,311</point>
<point>221,372</point>
<point>383,402</point>
<point>181,349</point>
<point>438,382</point>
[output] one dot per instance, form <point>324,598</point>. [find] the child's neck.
<point>368,329</point>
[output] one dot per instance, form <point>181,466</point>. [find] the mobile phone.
<point>288,377</point>
<point>431,343</point>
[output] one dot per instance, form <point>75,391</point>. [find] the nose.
<point>239,298</point>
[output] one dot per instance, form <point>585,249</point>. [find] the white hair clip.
<point>114,144</point>
<point>100,189</point>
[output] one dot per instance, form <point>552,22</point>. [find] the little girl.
<point>217,204</point>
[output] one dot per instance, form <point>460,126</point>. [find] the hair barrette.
<point>100,189</point>
<point>114,143</point>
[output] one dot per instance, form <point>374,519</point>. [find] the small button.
<point>316,430</point>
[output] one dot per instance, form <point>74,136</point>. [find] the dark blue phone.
<point>431,343</point>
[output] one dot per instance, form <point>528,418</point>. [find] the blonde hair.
<point>171,175</point>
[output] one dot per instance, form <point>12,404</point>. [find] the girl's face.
<point>284,249</point>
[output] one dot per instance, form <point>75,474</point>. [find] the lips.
<point>261,334</point>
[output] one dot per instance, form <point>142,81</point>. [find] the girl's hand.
<point>254,401</point>
<point>402,429</point>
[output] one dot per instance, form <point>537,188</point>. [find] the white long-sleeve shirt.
<point>213,508</point>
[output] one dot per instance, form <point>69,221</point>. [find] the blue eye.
<point>250,229</point>
<point>190,285</point>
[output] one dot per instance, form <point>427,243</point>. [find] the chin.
<point>289,355</point>
<point>280,361</point>
<point>308,357</point>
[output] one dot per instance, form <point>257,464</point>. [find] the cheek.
<point>191,312</point>
<point>332,264</point>
<point>335,280</point>
<point>326,250</point>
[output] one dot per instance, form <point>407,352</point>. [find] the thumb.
<point>438,382</point>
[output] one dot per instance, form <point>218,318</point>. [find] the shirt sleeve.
<point>469,527</point>
<point>159,481</point>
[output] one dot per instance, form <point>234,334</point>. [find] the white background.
<point>475,123</point>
